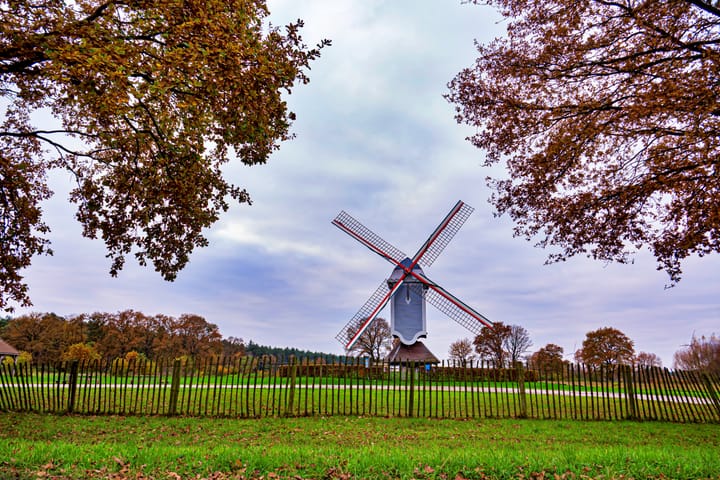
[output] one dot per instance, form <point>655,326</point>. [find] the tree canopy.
<point>606,346</point>
<point>461,351</point>
<point>283,354</point>
<point>149,100</point>
<point>647,359</point>
<point>491,342</point>
<point>375,341</point>
<point>49,337</point>
<point>607,117</point>
<point>701,354</point>
<point>548,358</point>
<point>517,343</point>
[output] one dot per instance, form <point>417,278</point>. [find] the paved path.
<point>599,395</point>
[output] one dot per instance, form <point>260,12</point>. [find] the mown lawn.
<point>138,447</point>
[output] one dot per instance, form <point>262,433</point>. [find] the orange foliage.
<point>607,117</point>
<point>606,346</point>
<point>158,97</point>
<point>82,352</point>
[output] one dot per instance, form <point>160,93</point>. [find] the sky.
<point>376,138</point>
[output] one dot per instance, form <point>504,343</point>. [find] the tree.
<point>645,359</point>
<point>490,343</point>
<point>703,354</point>
<point>607,116</point>
<point>233,347</point>
<point>462,351</point>
<point>284,353</point>
<point>120,332</point>
<point>123,335</point>
<point>150,100</point>
<point>606,346</point>
<point>517,343</point>
<point>549,358</point>
<point>374,342</point>
<point>43,335</point>
<point>23,358</point>
<point>196,337</point>
<point>82,352</point>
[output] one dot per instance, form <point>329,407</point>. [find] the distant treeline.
<point>282,354</point>
<point>47,337</point>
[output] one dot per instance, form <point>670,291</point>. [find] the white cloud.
<point>376,138</point>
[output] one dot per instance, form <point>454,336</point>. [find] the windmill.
<point>408,288</point>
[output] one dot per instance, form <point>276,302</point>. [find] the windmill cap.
<point>398,272</point>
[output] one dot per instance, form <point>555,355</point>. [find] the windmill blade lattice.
<point>448,304</point>
<point>361,317</point>
<point>442,235</point>
<point>368,238</point>
<point>407,318</point>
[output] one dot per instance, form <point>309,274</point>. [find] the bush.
<point>133,363</point>
<point>82,352</point>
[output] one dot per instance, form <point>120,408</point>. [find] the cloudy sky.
<point>376,138</point>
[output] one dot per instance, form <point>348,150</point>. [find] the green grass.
<point>43,446</point>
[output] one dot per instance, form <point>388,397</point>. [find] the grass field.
<point>113,447</point>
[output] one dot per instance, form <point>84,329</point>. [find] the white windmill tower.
<point>408,288</point>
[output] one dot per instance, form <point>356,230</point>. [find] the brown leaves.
<point>490,343</point>
<point>606,346</point>
<point>128,337</point>
<point>461,350</point>
<point>22,188</point>
<point>375,341</point>
<point>604,116</point>
<point>160,95</point>
<point>702,354</point>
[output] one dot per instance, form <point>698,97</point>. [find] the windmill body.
<point>408,289</point>
<point>407,307</point>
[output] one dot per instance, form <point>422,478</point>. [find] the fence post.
<point>174,387</point>
<point>520,373</point>
<point>72,385</point>
<point>291,387</point>
<point>712,392</point>
<point>411,390</point>
<point>630,391</point>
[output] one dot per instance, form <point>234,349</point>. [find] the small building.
<point>416,353</point>
<point>7,350</point>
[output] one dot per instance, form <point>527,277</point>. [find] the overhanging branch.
<point>707,6</point>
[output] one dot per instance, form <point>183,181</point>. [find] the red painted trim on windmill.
<point>409,270</point>
<point>455,301</point>
<point>433,236</point>
<point>363,241</point>
<point>375,313</point>
<point>426,246</point>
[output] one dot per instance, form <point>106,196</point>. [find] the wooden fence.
<point>250,387</point>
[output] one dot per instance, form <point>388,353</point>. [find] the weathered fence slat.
<point>245,387</point>
<point>6,403</point>
<point>712,393</point>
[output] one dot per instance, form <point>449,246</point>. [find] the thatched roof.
<point>7,350</point>
<point>417,352</point>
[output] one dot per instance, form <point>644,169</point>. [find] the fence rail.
<point>251,387</point>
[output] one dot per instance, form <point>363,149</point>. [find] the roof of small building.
<point>7,349</point>
<point>417,352</point>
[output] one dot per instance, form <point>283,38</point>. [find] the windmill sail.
<point>451,306</point>
<point>410,320</point>
<point>365,316</point>
<point>438,240</point>
<point>367,237</point>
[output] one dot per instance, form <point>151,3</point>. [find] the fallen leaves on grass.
<point>47,473</point>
